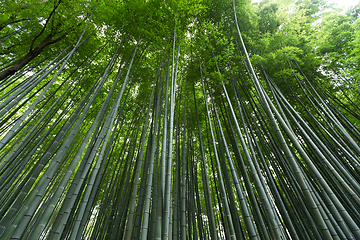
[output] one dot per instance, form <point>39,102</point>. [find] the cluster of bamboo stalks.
<point>249,166</point>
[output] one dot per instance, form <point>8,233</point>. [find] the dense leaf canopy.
<point>179,119</point>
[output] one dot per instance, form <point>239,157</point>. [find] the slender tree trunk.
<point>33,53</point>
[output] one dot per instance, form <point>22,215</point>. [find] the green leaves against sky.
<point>179,119</point>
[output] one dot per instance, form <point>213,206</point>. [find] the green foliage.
<point>260,146</point>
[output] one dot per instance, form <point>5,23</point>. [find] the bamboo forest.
<point>179,119</point>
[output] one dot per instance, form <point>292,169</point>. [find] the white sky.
<point>340,3</point>
<point>345,3</point>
